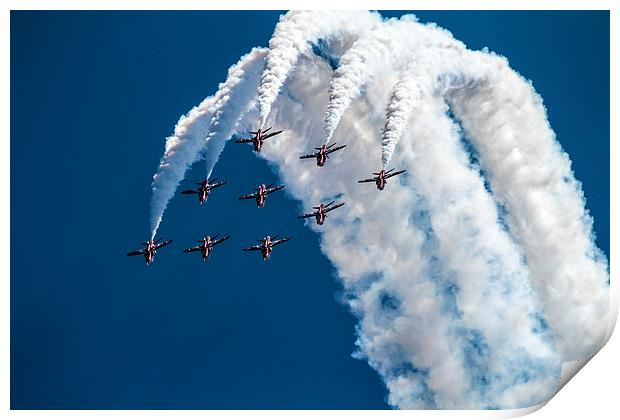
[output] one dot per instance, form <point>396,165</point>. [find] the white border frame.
<point>591,394</point>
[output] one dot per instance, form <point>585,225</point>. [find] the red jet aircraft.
<point>261,194</point>
<point>266,246</point>
<point>150,250</point>
<point>206,245</point>
<point>205,188</point>
<point>323,153</point>
<point>381,177</point>
<point>321,212</point>
<point>259,138</point>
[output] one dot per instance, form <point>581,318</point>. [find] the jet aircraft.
<point>259,138</point>
<point>321,212</point>
<point>323,153</point>
<point>204,189</point>
<point>381,177</point>
<point>261,194</point>
<point>150,249</point>
<point>266,245</point>
<point>206,245</point>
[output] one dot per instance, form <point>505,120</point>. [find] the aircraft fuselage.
<point>206,248</point>
<point>266,251</point>
<point>149,252</point>
<point>203,194</point>
<point>320,215</point>
<point>381,181</point>
<point>261,196</point>
<point>266,248</point>
<point>321,157</point>
<point>258,140</point>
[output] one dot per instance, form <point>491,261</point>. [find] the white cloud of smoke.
<point>473,279</point>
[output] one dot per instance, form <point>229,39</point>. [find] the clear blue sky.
<point>93,95</point>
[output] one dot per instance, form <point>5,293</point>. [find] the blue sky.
<point>93,95</point>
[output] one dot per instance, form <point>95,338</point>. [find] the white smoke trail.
<point>237,95</point>
<point>485,265</point>
<point>405,98</point>
<point>356,66</point>
<point>578,327</point>
<point>293,35</point>
<point>183,148</point>
<point>456,308</point>
<point>414,344</point>
<point>384,45</point>
<point>413,85</point>
<point>531,176</point>
<point>478,257</point>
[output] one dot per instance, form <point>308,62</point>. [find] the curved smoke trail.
<point>201,128</point>
<point>237,95</point>
<point>432,348</point>
<point>355,68</point>
<point>531,176</point>
<point>413,86</point>
<point>473,279</point>
<point>292,37</point>
<point>405,98</point>
<point>386,44</point>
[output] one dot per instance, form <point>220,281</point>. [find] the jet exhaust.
<point>471,283</point>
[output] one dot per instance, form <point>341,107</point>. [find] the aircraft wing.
<point>244,141</point>
<point>274,189</point>
<point>303,216</point>
<point>193,249</point>
<point>280,241</point>
<point>334,207</point>
<point>275,133</point>
<point>253,248</point>
<point>217,184</point>
<point>248,196</point>
<point>395,173</point>
<point>164,243</point>
<point>132,253</point>
<point>220,240</point>
<point>308,156</point>
<point>189,192</point>
<point>336,148</point>
<point>368,180</point>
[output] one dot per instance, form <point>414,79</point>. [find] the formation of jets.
<point>265,245</point>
